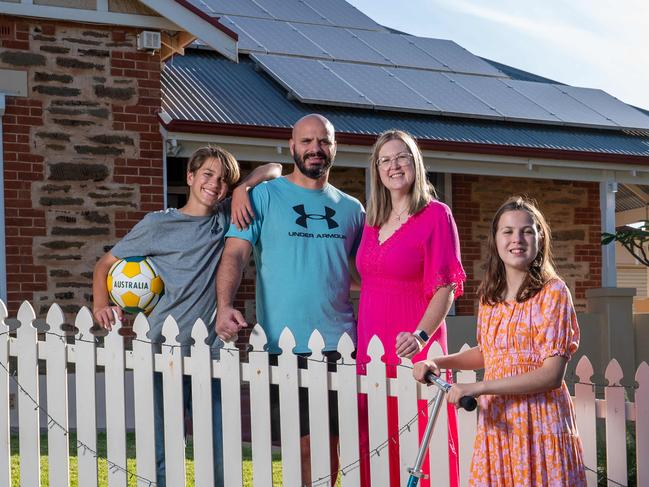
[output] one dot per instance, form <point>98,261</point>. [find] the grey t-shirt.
<point>186,251</point>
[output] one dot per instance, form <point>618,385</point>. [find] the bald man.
<point>304,236</point>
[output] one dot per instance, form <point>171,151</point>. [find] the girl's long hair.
<point>422,192</point>
<point>494,285</point>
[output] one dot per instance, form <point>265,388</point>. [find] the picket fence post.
<point>467,427</point>
<point>114,362</point>
<point>201,377</point>
<point>348,413</point>
<point>616,470</point>
<point>5,400</point>
<point>408,407</point>
<point>230,373</point>
<point>586,412</point>
<point>642,425</point>
<point>259,376</point>
<point>438,450</point>
<point>172,393</point>
<point>289,408</point>
<point>58,446</point>
<point>28,414</point>
<point>143,367</point>
<point>377,413</point>
<point>319,412</point>
<point>85,370</point>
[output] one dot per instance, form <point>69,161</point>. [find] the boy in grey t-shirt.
<point>185,245</point>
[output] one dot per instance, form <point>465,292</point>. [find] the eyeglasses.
<point>402,159</point>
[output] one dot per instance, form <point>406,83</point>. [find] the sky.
<point>589,43</point>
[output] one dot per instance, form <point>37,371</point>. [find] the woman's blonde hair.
<point>541,270</point>
<point>421,193</point>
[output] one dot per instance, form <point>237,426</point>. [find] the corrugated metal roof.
<point>628,199</point>
<point>204,87</point>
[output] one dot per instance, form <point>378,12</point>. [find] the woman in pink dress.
<point>409,263</point>
<point>527,331</point>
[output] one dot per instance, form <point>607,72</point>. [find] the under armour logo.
<point>304,216</point>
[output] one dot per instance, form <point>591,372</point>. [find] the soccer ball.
<point>134,285</point>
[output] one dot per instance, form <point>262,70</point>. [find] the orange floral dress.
<point>527,439</point>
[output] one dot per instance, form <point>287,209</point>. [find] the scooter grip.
<point>468,403</point>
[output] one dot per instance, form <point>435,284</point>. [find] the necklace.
<point>398,214</point>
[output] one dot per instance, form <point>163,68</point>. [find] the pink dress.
<point>398,279</point>
<point>527,439</point>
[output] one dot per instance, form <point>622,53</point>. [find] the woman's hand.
<point>422,368</point>
<point>408,345</point>
<point>457,391</point>
<point>241,213</point>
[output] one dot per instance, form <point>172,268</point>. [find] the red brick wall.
<point>82,154</point>
<point>572,211</point>
<point>22,221</point>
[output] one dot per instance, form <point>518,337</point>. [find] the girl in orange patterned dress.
<point>527,332</point>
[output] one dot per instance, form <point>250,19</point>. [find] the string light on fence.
<point>113,467</point>
<point>52,423</point>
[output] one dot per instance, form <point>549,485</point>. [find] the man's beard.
<point>315,172</point>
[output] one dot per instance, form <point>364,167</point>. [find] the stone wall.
<point>572,211</point>
<point>82,154</point>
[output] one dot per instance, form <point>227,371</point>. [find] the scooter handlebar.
<point>466,402</point>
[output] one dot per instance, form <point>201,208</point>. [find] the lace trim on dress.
<point>451,275</point>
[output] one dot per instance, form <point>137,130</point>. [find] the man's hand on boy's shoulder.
<point>241,212</point>
<point>105,315</point>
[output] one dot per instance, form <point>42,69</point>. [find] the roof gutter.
<point>284,133</point>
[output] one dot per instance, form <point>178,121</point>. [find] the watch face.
<point>422,334</point>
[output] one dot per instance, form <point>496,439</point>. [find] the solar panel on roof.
<point>559,104</point>
<point>504,99</point>
<point>311,81</point>
<point>455,57</point>
<point>416,90</point>
<point>245,42</point>
<point>233,7</point>
<point>296,11</point>
<point>341,44</point>
<point>380,86</point>
<point>609,106</point>
<point>278,37</point>
<point>399,49</point>
<point>445,94</point>
<point>342,14</point>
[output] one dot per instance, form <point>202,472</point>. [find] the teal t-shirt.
<point>302,241</point>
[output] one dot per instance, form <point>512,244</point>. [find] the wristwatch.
<point>422,335</point>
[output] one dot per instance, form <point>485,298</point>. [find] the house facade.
<point>96,131</point>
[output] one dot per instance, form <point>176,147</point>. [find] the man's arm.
<point>101,308</point>
<point>242,214</point>
<point>228,278</point>
<point>354,276</point>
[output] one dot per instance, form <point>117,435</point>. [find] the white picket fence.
<point>142,361</point>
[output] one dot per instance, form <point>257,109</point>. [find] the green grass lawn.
<point>130,454</point>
